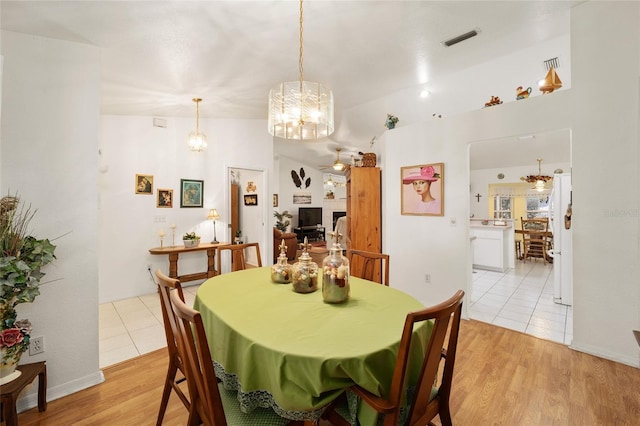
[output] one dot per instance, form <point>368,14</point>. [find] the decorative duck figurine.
<point>551,82</point>
<point>522,93</point>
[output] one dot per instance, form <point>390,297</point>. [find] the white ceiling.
<point>158,55</point>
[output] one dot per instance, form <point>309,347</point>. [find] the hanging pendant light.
<point>197,140</point>
<point>300,110</point>
<point>539,179</point>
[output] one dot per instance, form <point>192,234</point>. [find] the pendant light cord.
<point>301,69</point>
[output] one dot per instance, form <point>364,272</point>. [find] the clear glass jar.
<point>281,270</point>
<point>335,275</point>
<point>305,272</point>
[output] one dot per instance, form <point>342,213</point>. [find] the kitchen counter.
<point>493,245</point>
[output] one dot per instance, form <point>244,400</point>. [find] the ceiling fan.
<point>337,165</point>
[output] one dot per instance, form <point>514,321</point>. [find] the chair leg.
<point>166,392</point>
<point>445,415</point>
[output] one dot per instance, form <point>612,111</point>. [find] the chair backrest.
<point>165,286</point>
<point>238,258</point>
<point>193,347</point>
<point>369,266</point>
<point>538,224</point>
<point>442,344</point>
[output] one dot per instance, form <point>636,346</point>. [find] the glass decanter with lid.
<point>335,274</point>
<point>281,270</point>
<point>305,272</point>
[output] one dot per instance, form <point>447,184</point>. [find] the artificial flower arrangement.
<point>191,236</point>
<point>21,258</point>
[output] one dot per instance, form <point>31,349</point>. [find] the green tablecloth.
<point>300,350</point>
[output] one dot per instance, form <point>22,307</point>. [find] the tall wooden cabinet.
<point>364,211</point>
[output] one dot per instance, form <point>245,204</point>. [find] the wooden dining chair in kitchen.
<point>369,266</point>
<point>238,257</point>
<point>213,404</point>
<point>433,386</point>
<point>173,380</point>
<point>536,239</point>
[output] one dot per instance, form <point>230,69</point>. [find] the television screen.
<point>309,216</point>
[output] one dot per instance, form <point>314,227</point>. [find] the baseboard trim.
<point>30,401</point>
<point>611,356</point>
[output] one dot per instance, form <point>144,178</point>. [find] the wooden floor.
<point>502,377</point>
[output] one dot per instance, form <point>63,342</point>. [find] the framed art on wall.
<point>191,192</point>
<point>251,200</point>
<point>165,198</point>
<point>422,190</point>
<point>144,184</point>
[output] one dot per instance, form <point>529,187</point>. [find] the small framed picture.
<point>251,200</point>
<point>422,190</point>
<point>165,198</point>
<point>191,192</point>
<point>275,200</point>
<point>144,184</point>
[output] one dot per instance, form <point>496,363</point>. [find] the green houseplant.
<point>282,220</point>
<point>191,239</point>
<point>21,261</point>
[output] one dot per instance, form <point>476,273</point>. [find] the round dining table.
<point>293,352</point>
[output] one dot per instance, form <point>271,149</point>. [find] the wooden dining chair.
<point>238,258</point>
<point>166,286</point>
<point>369,266</point>
<point>214,405</point>
<point>433,387</point>
<point>536,239</point>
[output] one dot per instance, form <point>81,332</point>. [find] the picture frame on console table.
<point>191,192</point>
<point>422,190</point>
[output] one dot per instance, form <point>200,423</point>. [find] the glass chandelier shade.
<point>197,141</point>
<point>300,110</point>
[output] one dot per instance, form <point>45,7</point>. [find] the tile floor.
<point>133,327</point>
<point>521,299</point>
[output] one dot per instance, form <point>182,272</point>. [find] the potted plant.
<point>238,239</point>
<point>191,239</point>
<point>391,121</point>
<point>21,260</point>
<point>282,220</point>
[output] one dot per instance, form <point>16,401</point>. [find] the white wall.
<point>606,219</point>
<point>49,151</point>
<point>129,222</point>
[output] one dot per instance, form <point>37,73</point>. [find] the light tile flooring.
<point>133,327</point>
<point>521,299</point>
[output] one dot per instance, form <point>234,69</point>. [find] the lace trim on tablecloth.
<point>261,398</point>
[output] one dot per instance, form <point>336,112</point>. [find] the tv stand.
<point>313,233</point>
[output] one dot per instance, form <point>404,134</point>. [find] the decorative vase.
<point>191,243</point>
<point>14,340</point>
<point>390,125</point>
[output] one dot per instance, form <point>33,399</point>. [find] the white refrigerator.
<point>562,245</point>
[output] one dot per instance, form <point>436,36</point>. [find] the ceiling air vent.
<point>461,37</point>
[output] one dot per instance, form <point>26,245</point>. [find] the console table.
<point>313,233</point>
<point>174,252</point>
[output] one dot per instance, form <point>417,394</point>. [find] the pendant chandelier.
<point>300,110</point>
<point>197,140</point>
<point>540,180</point>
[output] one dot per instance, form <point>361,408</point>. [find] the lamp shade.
<point>213,214</point>
<point>300,110</point>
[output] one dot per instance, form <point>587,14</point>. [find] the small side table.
<point>11,390</point>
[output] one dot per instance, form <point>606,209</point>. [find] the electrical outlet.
<point>427,278</point>
<point>36,345</point>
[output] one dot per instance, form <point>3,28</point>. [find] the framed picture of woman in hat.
<point>422,190</point>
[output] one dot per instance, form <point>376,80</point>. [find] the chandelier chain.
<point>301,69</point>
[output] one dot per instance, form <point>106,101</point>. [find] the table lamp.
<point>213,215</point>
